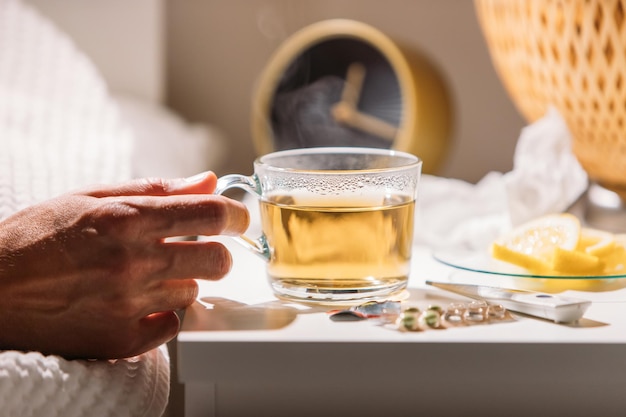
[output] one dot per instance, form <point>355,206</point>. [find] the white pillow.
<point>165,145</point>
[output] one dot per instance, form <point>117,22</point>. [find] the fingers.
<point>203,260</point>
<point>176,215</point>
<point>155,327</point>
<point>154,330</point>
<point>196,215</point>
<point>203,183</point>
<point>158,208</point>
<point>170,284</point>
<point>171,295</point>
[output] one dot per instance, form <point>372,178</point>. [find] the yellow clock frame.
<point>426,121</point>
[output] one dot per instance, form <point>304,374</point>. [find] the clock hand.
<point>350,116</point>
<point>346,110</point>
<point>354,84</point>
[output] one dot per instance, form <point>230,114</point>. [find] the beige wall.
<point>216,49</point>
<point>204,57</point>
<point>124,39</point>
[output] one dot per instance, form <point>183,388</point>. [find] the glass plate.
<point>478,267</point>
<point>481,261</point>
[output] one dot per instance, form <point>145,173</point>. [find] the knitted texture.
<point>32,384</point>
<point>59,130</point>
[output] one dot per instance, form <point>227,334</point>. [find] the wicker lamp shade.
<point>570,54</point>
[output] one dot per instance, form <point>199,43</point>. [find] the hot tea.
<point>330,245</point>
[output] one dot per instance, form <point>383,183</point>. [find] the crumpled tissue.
<point>546,178</point>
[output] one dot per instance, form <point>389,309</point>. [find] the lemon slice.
<point>596,242</point>
<point>576,262</point>
<point>615,259</point>
<point>532,245</point>
<point>531,263</point>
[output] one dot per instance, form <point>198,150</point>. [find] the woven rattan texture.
<point>570,54</point>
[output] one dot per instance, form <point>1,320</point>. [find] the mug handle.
<point>251,185</point>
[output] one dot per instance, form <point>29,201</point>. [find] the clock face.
<point>341,82</point>
<point>338,92</point>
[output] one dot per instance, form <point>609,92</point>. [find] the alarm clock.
<point>344,83</point>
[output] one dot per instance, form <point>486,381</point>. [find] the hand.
<point>346,111</point>
<point>90,274</point>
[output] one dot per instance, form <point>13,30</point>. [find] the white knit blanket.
<point>32,384</point>
<point>60,130</point>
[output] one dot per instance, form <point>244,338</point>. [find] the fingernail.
<point>197,178</point>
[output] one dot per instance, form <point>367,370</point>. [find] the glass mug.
<point>337,223</point>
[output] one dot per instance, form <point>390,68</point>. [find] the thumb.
<point>203,183</point>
